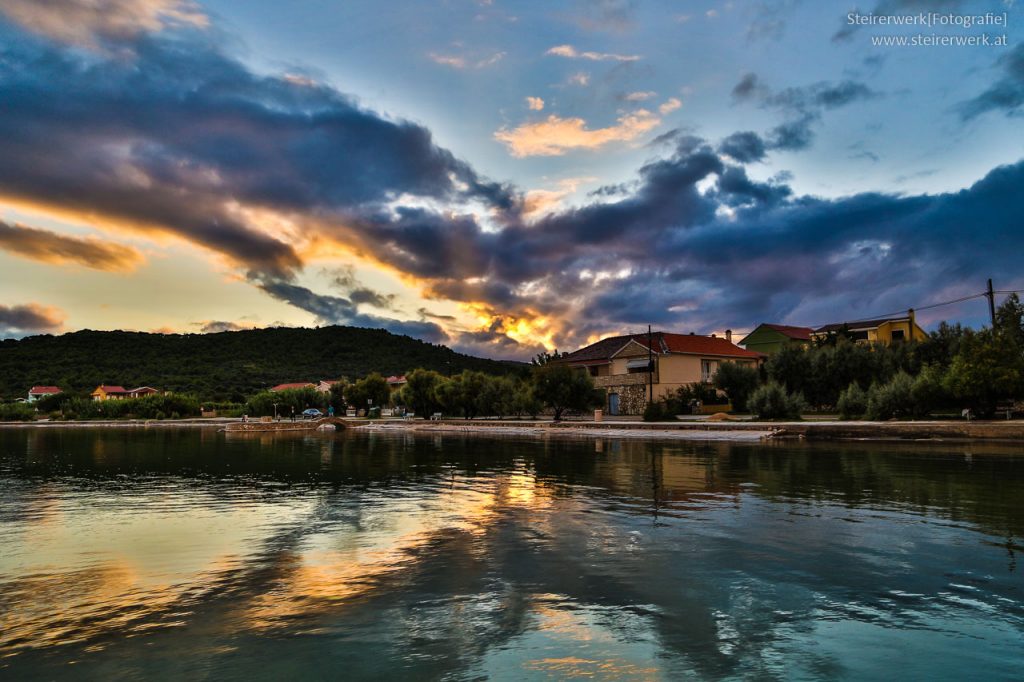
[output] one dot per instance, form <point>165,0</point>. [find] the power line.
<point>923,307</point>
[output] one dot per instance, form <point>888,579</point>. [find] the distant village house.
<point>296,386</point>
<point>627,366</point>
<point>40,392</point>
<point>105,392</point>
<point>771,338</point>
<point>884,331</point>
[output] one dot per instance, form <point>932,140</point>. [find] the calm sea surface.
<point>187,554</point>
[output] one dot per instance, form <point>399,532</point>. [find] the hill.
<point>221,366</point>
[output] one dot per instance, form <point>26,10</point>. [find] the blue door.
<point>613,404</point>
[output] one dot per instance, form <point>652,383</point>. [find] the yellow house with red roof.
<point>627,367</point>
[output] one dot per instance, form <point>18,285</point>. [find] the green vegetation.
<point>562,389</point>
<point>17,412</point>
<point>227,366</point>
<point>771,401</point>
<point>171,406</point>
<point>738,381</point>
<point>285,403</point>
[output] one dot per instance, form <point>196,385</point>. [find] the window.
<point>593,370</point>
<point>859,335</point>
<point>708,368</point>
<point>898,335</point>
<point>639,366</point>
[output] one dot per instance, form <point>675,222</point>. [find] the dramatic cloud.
<point>57,249</point>
<point>336,310</point>
<point>1006,94</point>
<point>555,136</point>
<point>744,147</point>
<point>802,106</point>
<point>174,137</point>
<point>91,23</point>
<point>20,320</point>
<point>570,52</point>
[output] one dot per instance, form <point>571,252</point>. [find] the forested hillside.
<point>223,366</point>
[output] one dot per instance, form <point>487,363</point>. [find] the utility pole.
<point>991,304</point>
<point>650,364</point>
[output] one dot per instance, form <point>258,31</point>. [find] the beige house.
<point>628,367</point>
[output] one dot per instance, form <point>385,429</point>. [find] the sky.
<point>505,177</point>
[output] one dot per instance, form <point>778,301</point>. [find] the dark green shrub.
<point>738,381</point>
<point>771,401</point>
<point>17,412</point>
<point>892,400</point>
<point>853,402</point>
<point>656,412</point>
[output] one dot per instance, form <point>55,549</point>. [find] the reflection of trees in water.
<point>541,530</point>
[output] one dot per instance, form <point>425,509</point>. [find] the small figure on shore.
<point>245,418</point>
<point>293,413</point>
<point>330,410</point>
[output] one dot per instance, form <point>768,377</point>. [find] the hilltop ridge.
<point>224,365</point>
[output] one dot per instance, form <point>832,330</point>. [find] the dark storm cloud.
<point>802,106</point>
<point>19,320</point>
<point>1006,94</point>
<point>745,147</point>
<point>50,247</point>
<point>167,139</point>
<point>180,138</point>
<point>216,326</point>
<point>337,310</point>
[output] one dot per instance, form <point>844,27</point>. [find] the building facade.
<point>633,368</point>
<point>771,338</point>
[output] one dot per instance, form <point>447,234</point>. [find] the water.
<point>174,553</point>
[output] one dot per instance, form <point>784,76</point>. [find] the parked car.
<point>312,413</point>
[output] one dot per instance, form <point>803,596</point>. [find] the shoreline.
<point>937,430</point>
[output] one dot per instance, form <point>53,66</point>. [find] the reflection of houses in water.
<point>661,473</point>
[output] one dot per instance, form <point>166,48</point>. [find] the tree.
<point>771,401</point>
<point>738,381</point>
<point>562,388</point>
<point>370,391</point>
<point>336,398</point>
<point>988,367</point>
<point>524,399</point>
<point>420,391</point>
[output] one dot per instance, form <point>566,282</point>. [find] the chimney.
<point>728,335</point>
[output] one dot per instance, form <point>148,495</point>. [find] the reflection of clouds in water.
<point>462,556</point>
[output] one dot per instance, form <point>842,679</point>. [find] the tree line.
<point>955,368</point>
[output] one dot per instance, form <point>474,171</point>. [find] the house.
<point>38,392</point>
<point>396,382</point>
<point>105,392</point>
<point>628,366</point>
<point>883,331</point>
<point>325,385</point>
<point>293,387</point>
<point>771,338</point>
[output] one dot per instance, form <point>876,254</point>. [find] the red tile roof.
<point>292,386</point>
<point>396,379</point>
<point>798,333</point>
<point>664,342</point>
<point>41,390</point>
<point>111,389</point>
